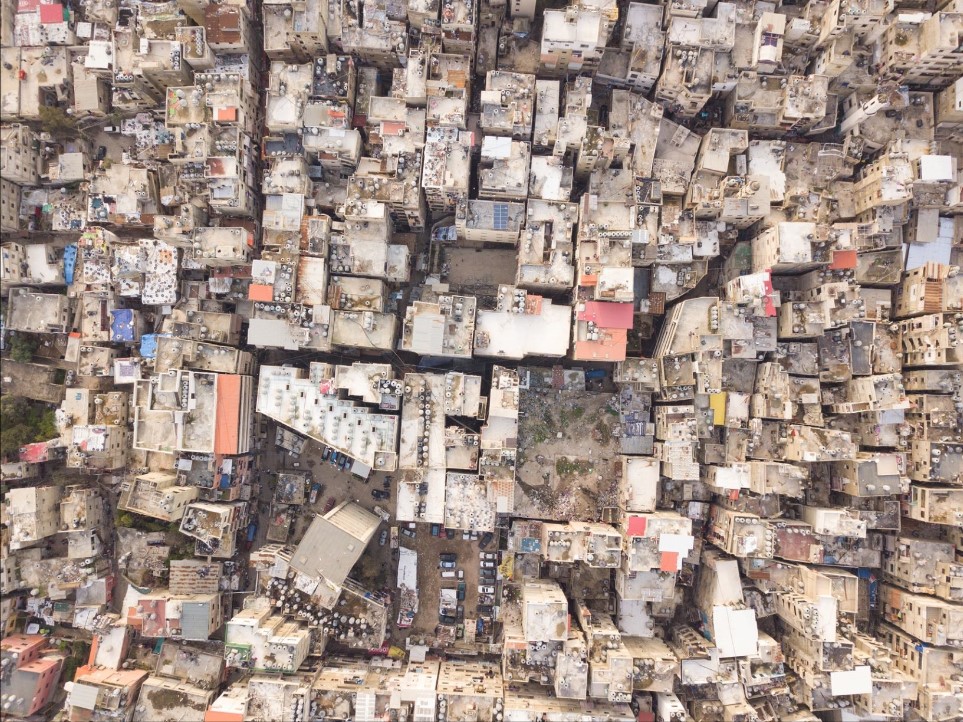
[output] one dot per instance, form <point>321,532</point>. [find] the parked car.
<point>343,464</point>
<point>448,557</point>
<point>449,533</point>
<point>329,504</point>
<point>317,488</point>
<point>101,153</point>
<point>490,556</point>
<point>461,591</point>
<point>379,494</point>
<point>488,575</point>
<point>466,535</point>
<point>335,456</point>
<point>383,538</point>
<point>447,574</point>
<point>435,529</point>
<point>461,573</point>
<point>251,533</point>
<point>387,482</point>
<point>488,565</point>
<point>446,619</point>
<point>326,454</point>
<point>410,533</point>
<point>482,589</point>
<point>486,539</point>
<point>446,565</point>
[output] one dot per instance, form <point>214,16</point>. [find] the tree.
<point>22,347</point>
<point>55,121</point>
<point>24,422</point>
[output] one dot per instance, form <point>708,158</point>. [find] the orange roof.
<point>134,619</point>
<point>23,642</point>
<point>94,646</point>
<point>843,259</point>
<point>260,292</point>
<point>218,716</point>
<point>392,127</point>
<point>114,677</point>
<point>669,562</point>
<point>588,279</point>
<point>228,414</point>
<point>225,114</point>
<point>533,304</point>
<point>41,664</point>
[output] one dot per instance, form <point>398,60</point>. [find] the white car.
<point>485,590</point>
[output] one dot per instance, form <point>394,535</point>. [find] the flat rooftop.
<point>524,325</point>
<point>290,397</point>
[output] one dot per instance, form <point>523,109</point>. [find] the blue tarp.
<point>148,344</point>
<point>530,545</point>
<point>70,262</point>
<point>122,325</point>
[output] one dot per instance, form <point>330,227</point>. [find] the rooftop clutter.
<point>616,345</point>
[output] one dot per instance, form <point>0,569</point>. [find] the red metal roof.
<point>34,453</point>
<point>607,315</point>
<point>52,13</point>
<point>768,304</point>
<point>637,525</point>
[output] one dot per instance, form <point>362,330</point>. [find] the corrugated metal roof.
<point>83,695</point>
<point>195,620</point>
<point>330,547</point>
